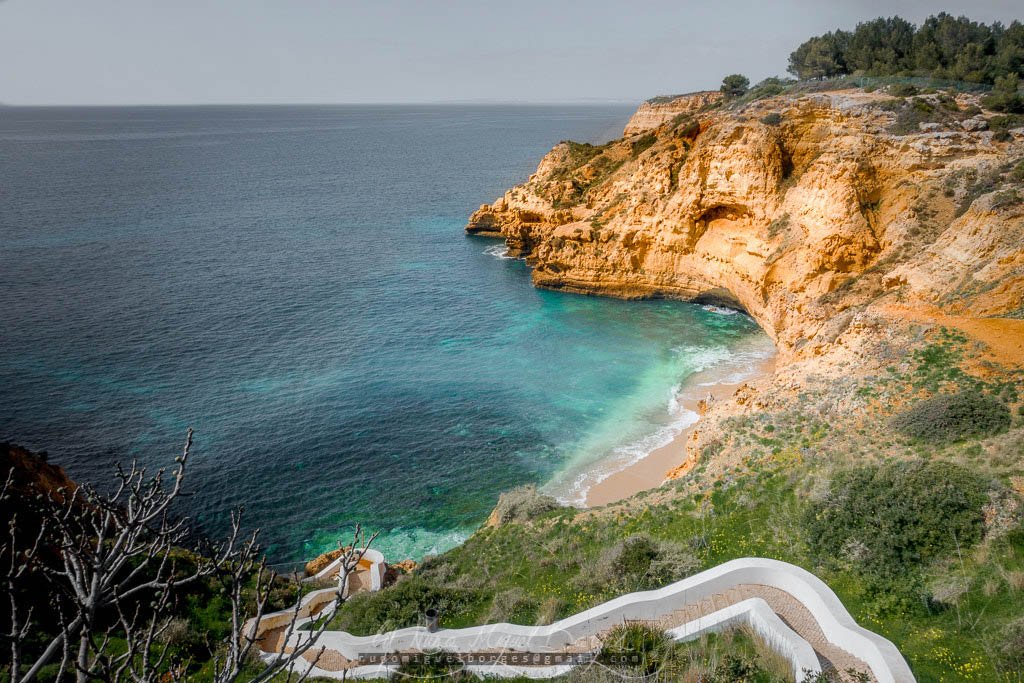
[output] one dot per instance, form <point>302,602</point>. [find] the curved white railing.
<point>759,615</point>
<point>372,563</point>
<point>839,628</point>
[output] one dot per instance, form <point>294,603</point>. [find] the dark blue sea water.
<point>293,283</point>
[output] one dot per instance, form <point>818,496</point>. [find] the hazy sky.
<point>305,51</point>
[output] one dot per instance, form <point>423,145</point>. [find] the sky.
<point>403,51</point>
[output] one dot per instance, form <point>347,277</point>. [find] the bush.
<point>1011,646</point>
<point>1017,174</point>
<point>1005,96</point>
<point>913,112</point>
<point>639,563</point>
<point>522,504</point>
<point>887,519</point>
<point>637,647</point>
<point>953,417</point>
<point>902,90</point>
<point>641,144</point>
<point>401,605</point>
<point>513,606</point>
<point>772,119</point>
<point>1001,126</point>
<point>737,669</point>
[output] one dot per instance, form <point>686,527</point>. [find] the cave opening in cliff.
<point>730,212</point>
<point>720,296</point>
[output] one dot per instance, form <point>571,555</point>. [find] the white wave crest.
<point>499,251</point>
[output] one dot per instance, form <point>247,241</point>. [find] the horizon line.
<point>582,101</point>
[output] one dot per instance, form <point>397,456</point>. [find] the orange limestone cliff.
<point>820,215</point>
<point>661,110</point>
<point>800,218</point>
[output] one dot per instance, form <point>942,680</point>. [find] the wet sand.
<point>650,472</point>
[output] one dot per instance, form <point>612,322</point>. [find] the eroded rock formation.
<point>831,225</point>
<point>797,219</point>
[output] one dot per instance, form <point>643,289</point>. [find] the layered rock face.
<point>801,210</point>
<point>662,110</point>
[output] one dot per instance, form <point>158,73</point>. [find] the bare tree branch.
<point>119,560</point>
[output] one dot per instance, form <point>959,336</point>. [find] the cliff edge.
<point>837,220</point>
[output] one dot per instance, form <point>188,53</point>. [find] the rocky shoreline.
<point>844,235</point>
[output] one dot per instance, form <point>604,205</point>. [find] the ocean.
<point>294,284</point>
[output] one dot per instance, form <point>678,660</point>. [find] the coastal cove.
<point>323,325</point>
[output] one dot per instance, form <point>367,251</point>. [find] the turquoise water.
<point>293,283</point>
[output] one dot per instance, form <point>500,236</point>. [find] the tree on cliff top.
<point>735,85</point>
<point>943,46</point>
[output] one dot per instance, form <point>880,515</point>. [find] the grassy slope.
<point>540,570</point>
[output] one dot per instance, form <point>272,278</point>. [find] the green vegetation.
<point>1005,95</point>
<point>405,603</point>
<point>942,47</point>
<point>637,563</point>
<point>735,85</point>
<point>911,112</point>
<point>586,166</point>
<point>772,119</point>
<point>778,226</point>
<point>642,143</point>
<point>639,648</point>
<point>1017,174</point>
<point>522,504</point>
<point>902,90</point>
<point>887,520</point>
<point>1002,125</point>
<point>581,152</point>
<point>637,651</point>
<point>953,417</point>
<point>924,544</point>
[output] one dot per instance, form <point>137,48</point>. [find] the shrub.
<point>772,119</point>
<point>953,417</point>
<point>639,563</point>
<point>401,605</point>
<point>1011,646</point>
<point>641,144</point>
<point>512,605</point>
<point>1017,174</point>
<point>688,127</point>
<point>1001,126</point>
<point>902,90</point>
<point>1005,199</point>
<point>779,225</point>
<point>886,519</point>
<point>635,646</point>
<point>522,504</point>
<point>769,87</point>
<point>914,112</point>
<point>737,669</point>
<point>1005,96</point>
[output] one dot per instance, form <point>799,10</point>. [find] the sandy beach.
<point>650,472</point>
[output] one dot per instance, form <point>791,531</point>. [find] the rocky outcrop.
<point>31,474</point>
<point>797,218</point>
<point>661,110</point>
<point>831,231</point>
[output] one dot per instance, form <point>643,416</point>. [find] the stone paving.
<point>789,609</point>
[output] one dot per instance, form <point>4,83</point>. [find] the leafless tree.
<point>118,562</point>
<point>293,644</point>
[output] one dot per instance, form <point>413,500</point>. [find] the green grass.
<point>947,607</point>
<point>756,515</point>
